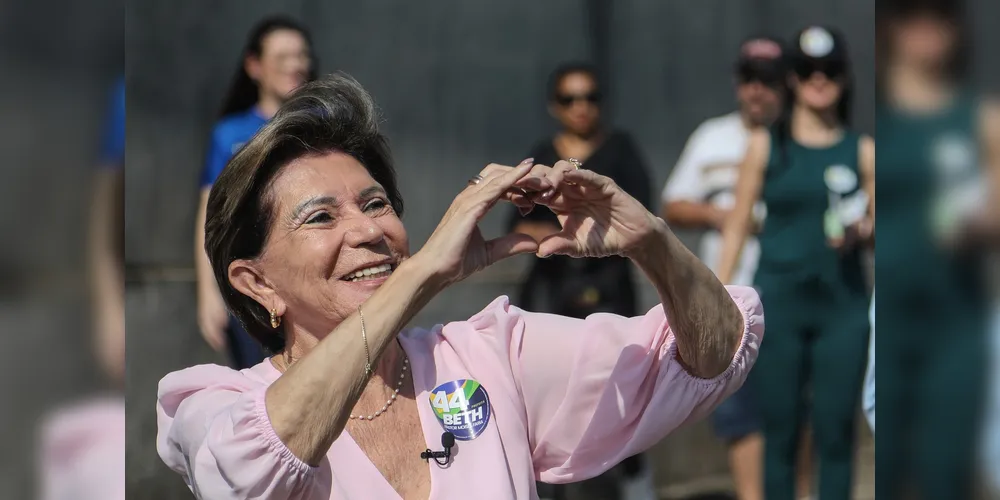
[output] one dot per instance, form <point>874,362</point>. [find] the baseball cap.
<point>819,48</point>
<point>761,58</point>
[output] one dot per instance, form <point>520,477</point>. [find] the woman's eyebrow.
<point>312,202</point>
<point>369,191</point>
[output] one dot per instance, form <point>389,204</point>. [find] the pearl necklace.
<point>385,407</point>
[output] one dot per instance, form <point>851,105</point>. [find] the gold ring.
<point>576,163</point>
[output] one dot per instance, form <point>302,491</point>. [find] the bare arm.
<point>866,154</point>
<point>108,269</point>
<point>331,378</point>
<point>213,317</point>
<point>751,180</point>
<point>693,215</point>
<point>707,324</point>
<point>203,268</point>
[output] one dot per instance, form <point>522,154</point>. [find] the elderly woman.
<point>305,239</point>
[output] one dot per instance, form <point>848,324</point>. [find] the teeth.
<point>371,273</point>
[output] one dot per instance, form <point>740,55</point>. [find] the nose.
<point>364,232</point>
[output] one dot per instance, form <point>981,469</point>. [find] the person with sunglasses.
<point>277,59</point>
<point>581,287</point>
<point>816,177</point>
<point>940,158</point>
<point>699,196</point>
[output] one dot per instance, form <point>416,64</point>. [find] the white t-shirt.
<point>707,172</point>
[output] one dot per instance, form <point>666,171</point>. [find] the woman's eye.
<point>376,206</point>
<point>320,217</point>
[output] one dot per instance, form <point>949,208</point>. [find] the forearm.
<point>705,321</point>
<point>202,266</point>
<point>734,235</point>
<point>106,267</point>
<point>310,404</point>
<point>692,215</point>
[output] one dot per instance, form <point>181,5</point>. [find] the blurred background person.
<point>699,196</point>
<point>82,453</point>
<point>580,287</point>
<point>276,60</point>
<point>816,176</point>
<point>936,137</point>
<point>106,241</point>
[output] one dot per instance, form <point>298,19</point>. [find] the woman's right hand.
<point>457,248</point>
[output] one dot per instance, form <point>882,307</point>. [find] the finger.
<point>561,243</point>
<point>509,245</point>
<point>494,168</point>
<point>537,180</point>
<point>518,198</point>
<point>556,176</point>
<point>491,171</point>
<point>493,187</point>
<point>586,177</point>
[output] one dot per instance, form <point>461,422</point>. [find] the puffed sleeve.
<point>601,389</point>
<point>213,429</point>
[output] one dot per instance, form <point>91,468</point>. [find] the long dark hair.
<point>782,130</point>
<point>243,92</point>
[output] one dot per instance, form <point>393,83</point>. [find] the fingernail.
<point>527,161</point>
<point>548,193</point>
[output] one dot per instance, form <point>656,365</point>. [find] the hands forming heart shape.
<point>597,218</point>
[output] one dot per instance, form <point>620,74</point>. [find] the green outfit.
<point>932,305</point>
<point>816,304</point>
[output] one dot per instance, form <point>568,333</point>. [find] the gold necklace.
<point>395,393</point>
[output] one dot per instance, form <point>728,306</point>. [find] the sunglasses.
<point>567,100</point>
<point>830,69</point>
<point>748,76</point>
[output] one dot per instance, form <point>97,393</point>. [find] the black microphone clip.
<point>447,441</point>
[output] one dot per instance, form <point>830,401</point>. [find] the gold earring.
<point>275,319</point>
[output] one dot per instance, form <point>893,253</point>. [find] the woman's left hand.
<point>597,217</point>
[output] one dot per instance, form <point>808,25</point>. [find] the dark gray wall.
<point>461,84</point>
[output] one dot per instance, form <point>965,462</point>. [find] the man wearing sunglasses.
<point>699,195</point>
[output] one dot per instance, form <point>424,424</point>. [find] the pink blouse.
<point>567,400</point>
<point>83,451</point>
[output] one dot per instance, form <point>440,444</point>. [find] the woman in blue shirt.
<point>277,59</point>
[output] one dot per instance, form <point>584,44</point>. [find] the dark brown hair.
<point>331,114</point>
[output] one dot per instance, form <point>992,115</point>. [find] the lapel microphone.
<point>447,441</point>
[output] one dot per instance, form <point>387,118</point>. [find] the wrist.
<point>653,246</point>
<point>421,275</point>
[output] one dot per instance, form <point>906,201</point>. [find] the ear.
<point>252,66</point>
<point>553,110</point>
<point>248,279</point>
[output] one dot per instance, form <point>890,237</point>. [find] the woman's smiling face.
<point>334,239</point>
